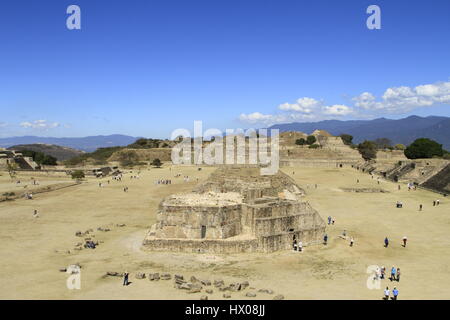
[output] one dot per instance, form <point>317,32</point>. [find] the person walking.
<point>351,241</point>
<point>394,294</point>
<point>300,246</point>
<point>420,207</point>
<point>125,278</point>
<point>325,239</point>
<point>405,239</point>
<point>398,275</point>
<point>383,272</point>
<point>393,272</point>
<point>329,220</point>
<point>386,242</point>
<point>386,293</point>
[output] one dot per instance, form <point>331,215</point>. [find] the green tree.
<point>399,146</point>
<point>383,143</point>
<point>424,148</point>
<point>347,139</point>
<point>156,163</point>
<point>311,140</point>
<point>77,174</point>
<point>368,150</point>
<point>300,141</point>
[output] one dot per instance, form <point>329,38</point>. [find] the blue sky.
<point>145,68</point>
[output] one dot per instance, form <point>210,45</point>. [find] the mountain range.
<point>402,131</point>
<point>87,144</point>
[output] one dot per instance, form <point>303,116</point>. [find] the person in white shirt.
<point>386,293</point>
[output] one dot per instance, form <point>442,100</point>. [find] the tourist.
<point>351,242</point>
<point>434,203</point>
<point>295,245</point>
<point>383,272</point>
<point>332,222</point>
<point>393,272</point>
<point>386,242</point>
<point>405,239</point>
<point>35,214</point>
<point>344,233</point>
<point>437,202</point>
<point>386,293</point>
<point>329,219</point>
<point>398,275</point>
<point>395,293</point>
<point>420,207</point>
<point>325,239</point>
<point>300,246</point>
<point>125,279</point>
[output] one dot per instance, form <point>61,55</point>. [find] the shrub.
<point>311,140</point>
<point>156,163</point>
<point>314,146</point>
<point>300,142</point>
<point>78,174</point>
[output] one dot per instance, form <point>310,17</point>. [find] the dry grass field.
<point>32,250</point>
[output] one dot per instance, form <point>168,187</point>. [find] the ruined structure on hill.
<point>236,210</point>
<point>14,159</point>
<point>331,151</point>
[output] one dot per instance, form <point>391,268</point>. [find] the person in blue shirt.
<point>386,242</point>
<point>393,272</point>
<point>394,293</point>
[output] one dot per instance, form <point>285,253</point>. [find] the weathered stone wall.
<point>250,213</point>
<point>202,246</point>
<point>317,163</point>
<point>187,221</point>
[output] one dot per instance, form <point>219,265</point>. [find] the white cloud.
<point>337,110</point>
<point>304,105</point>
<point>3,124</point>
<point>399,100</point>
<point>269,119</point>
<point>40,125</point>
<point>404,99</point>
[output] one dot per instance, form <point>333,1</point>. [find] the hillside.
<point>60,153</point>
<point>402,131</point>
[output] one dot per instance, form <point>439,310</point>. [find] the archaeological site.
<point>236,210</point>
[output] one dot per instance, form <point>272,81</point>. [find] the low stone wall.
<point>318,163</point>
<point>201,246</point>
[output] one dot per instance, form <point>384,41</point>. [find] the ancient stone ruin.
<point>236,210</point>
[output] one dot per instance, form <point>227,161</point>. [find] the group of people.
<point>163,181</point>
<point>404,241</point>
<point>117,177</point>
<point>387,294</point>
